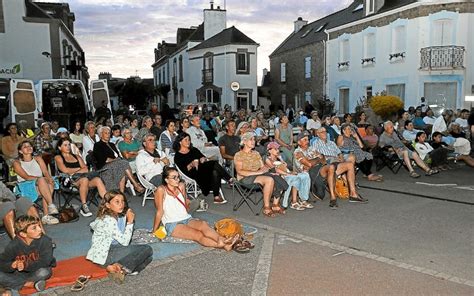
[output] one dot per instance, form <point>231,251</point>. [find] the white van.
<point>63,100</point>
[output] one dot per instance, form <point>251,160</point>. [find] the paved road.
<point>396,244</point>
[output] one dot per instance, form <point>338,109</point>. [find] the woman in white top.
<point>172,210</point>
<point>438,157</point>
<point>35,180</point>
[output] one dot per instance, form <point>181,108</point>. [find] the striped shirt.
<point>328,148</point>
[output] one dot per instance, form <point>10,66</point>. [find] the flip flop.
<point>240,248</point>
<point>80,283</point>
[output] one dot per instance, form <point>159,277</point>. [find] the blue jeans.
<point>301,182</point>
<point>133,257</point>
<point>17,279</point>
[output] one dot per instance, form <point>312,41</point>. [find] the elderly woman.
<point>251,169</point>
<point>10,142</point>
<point>168,136</point>
<point>73,165</point>
<point>284,137</point>
<point>185,124</point>
<point>88,141</point>
<point>350,141</point>
<point>150,162</point>
<point>129,147</point>
<point>207,173</point>
<point>35,180</point>
<point>242,128</point>
<point>147,124</point>
<point>44,145</point>
<point>113,168</point>
<point>299,183</point>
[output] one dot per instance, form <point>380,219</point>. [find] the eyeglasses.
<point>175,177</point>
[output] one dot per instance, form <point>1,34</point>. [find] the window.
<point>442,94</point>
<point>283,72</point>
<point>306,33</point>
<point>369,45</point>
<point>321,27</point>
<point>159,78</point>
<point>307,96</point>
<point>242,61</point>
<point>399,39</point>
<point>370,6</point>
<point>359,7</point>
<point>174,68</point>
<point>442,32</point>
<point>396,90</point>
<point>283,99</point>
<point>307,67</point>
<point>208,61</point>
<point>344,50</point>
<point>180,68</point>
<point>164,76</point>
<point>344,100</point>
<point>368,92</point>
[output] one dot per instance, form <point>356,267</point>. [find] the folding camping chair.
<point>383,157</point>
<point>192,188</point>
<point>249,194</point>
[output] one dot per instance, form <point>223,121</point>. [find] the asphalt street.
<point>419,241</point>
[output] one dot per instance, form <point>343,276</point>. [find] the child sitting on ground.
<point>28,259</point>
<point>112,235</point>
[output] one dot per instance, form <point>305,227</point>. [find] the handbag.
<point>67,214</point>
<point>228,227</point>
<point>342,190</point>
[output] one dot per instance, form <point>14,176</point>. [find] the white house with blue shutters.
<point>407,48</point>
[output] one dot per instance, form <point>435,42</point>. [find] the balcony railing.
<point>442,58</point>
<point>207,76</point>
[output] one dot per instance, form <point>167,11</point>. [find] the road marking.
<point>339,253</point>
<point>436,185</point>
<point>282,239</point>
<point>260,283</point>
<point>351,251</point>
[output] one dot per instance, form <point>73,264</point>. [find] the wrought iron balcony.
<point>207,76</point>
<point>442,58</point>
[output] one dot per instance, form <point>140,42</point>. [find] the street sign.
<point>235,86</point>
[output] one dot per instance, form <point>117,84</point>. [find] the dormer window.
<point>369,7</point>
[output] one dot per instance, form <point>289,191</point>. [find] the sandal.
<point>139,189</point>
<point>80,283</point>
<point>117,276</point>
<point>306,205</point>
<point>240,248</point>
<point>431,172</point>
<point>268,212</point>
<point>278,210</point>
<point>413,174</point>
<point>248,244</point>
<point>297,206</point>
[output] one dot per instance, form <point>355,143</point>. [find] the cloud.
<point>119,36</point>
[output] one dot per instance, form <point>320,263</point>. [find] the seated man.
<point>390,138</point>
<point>334,156</point>
<point>200,141</point>
<point>409,133</point>
<point>149,162</point>
<point>28,259</point>
<point>10,208</point>
<point>229,143</point>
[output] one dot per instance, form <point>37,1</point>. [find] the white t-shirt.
<point>429,120</point>
<point>313,124</point>
<point>462,122</point>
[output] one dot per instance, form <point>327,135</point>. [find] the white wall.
<point>22,43</point>
<point>384,72</point>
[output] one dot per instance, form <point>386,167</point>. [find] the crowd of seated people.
<point>213,148</point>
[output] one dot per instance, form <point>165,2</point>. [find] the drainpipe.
<point>325,44</point>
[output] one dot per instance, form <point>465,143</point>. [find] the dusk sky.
<point>118,36</point>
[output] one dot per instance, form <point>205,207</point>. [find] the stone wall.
<point>296,83</point>
<point>420,11</point>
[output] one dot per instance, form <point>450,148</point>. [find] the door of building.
<point>242,100</point>
<point>343,100</point>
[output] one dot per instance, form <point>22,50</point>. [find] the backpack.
<point>67,214</point>
<point>228,227</point>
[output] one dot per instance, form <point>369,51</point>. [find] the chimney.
<point>215,20</point>
<point>299,23</point>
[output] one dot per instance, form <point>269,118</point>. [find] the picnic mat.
<point>67,271</point>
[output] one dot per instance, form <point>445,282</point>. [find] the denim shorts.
<point>172,225</point>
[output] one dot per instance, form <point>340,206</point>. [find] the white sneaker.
<point>85,211</point>
<point>52,209</point>
<point>49,220</point>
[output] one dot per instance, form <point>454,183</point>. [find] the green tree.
<point>133,92</point>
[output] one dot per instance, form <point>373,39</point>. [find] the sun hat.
<point>62,130</point>
<point>245,137</point>
<point>273,145</point>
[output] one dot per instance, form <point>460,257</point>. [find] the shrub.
<point>385,105</point>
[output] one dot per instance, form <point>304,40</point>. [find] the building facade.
<point>204,62</point>
<point>407,48</point>
<point>411,50</point>
<point>37,42</point>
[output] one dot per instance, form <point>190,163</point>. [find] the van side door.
<point>99,92</point>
